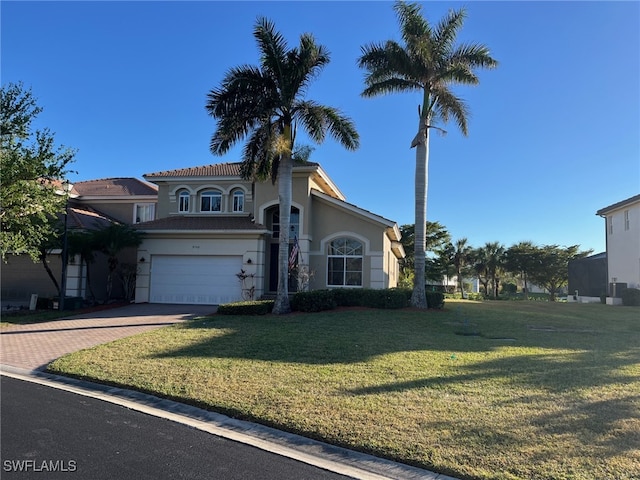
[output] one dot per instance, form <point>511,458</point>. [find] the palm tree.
<point>461,252</point>
<point>494,255</point>
<point>429,62</point>
<point>265,104</point>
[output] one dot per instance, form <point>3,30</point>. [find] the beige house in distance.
<point>211,225</point>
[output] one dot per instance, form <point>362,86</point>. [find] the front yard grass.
<point>491,390</point>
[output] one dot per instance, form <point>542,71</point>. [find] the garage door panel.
<point>195,279</point>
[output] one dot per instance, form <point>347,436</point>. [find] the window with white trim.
<point>238,201</point>
<point>144,212</point>
<point>344,263</point>
<point>183,201</point>
<point>210,201</point>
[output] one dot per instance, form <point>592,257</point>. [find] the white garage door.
<point>195,279</point>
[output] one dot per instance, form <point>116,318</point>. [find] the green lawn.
<point>492,390</point>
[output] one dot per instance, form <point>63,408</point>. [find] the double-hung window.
<point>344,263</point>
<point>238,201</point>
<point>183,202</point>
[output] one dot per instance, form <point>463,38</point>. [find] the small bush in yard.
<point>255,307</point>
<point>631,297</point>
<point>313,301</point>
<point>435,300</point>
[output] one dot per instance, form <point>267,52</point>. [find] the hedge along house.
<point>213,226</point>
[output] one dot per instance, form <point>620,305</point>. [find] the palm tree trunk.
<point>285,174</point>
<point>419,296</point>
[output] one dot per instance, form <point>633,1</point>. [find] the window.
<point>183,202</point>
<point>610,221</point>
<point>238,201</point>
<point>294,223</point>
<point>626,219</point>
<point>144,212</point>
<point>210,201</point>
<point>344,263</point>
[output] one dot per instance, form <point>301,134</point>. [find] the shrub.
<point>254,307</point>
<point>388,298</point>
<point>435,300</point>
<point>348,297</point>
<point>631,297</point>
<point>313,301</point>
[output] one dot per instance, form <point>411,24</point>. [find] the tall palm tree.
<point>265,104</point>
<point>428,62</point>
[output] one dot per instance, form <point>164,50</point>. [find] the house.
<point>622,231</point>
<point>93,205</point>
<point>212,225</point>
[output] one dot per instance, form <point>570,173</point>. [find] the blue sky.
<point>553,132</point>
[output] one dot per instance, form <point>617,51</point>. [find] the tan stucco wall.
<point>120,210</point>
<point>250,247</point>
<point>21,277</point>
<point>168,195</point>
<point>329,222</point>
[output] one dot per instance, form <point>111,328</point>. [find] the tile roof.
<point>115,187</point>
<point>213,170</point>
<point>621,204</point>
<point>200,223</point>
<point>86,218</point>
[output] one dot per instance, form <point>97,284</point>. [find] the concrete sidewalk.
<point>26,350</point>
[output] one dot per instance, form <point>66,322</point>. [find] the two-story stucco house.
<point>211,224</point>
<point>622,227</point>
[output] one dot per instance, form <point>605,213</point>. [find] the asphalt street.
<point>52,434</point>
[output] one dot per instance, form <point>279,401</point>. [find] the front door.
<point>273,270</point>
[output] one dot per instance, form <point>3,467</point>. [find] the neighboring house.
<point>622,230</point>
<point>213,225</point>
<point>93,204</point>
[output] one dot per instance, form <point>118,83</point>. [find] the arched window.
<point>210,201</point>
<point>183,201</point>
<point>238,201</point>
<point>344,263</point>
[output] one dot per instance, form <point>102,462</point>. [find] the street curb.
<point>323,455</point>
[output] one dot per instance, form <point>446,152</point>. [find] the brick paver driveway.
<point>34,346</point>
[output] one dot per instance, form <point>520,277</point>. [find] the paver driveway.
<point>34,346</point>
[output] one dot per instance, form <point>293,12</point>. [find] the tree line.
<point>493,264</point>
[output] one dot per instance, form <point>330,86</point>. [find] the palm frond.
<point>447,29</point>
<point>412,24</point>
<point>448,105</point>
<point>272,46</point>
<point>319,120</point>
<point>474,55</point>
